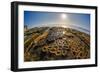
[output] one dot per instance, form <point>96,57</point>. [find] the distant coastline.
<point>69,26</point>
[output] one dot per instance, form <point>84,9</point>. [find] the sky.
<point>35,19</point>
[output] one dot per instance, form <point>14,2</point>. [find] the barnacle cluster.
<point>55,43</point>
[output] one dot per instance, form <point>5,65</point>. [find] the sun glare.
<point>64,16</point>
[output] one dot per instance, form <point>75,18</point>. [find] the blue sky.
<point>32,18</point>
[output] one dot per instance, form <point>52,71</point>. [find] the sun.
<point>64,16</point>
